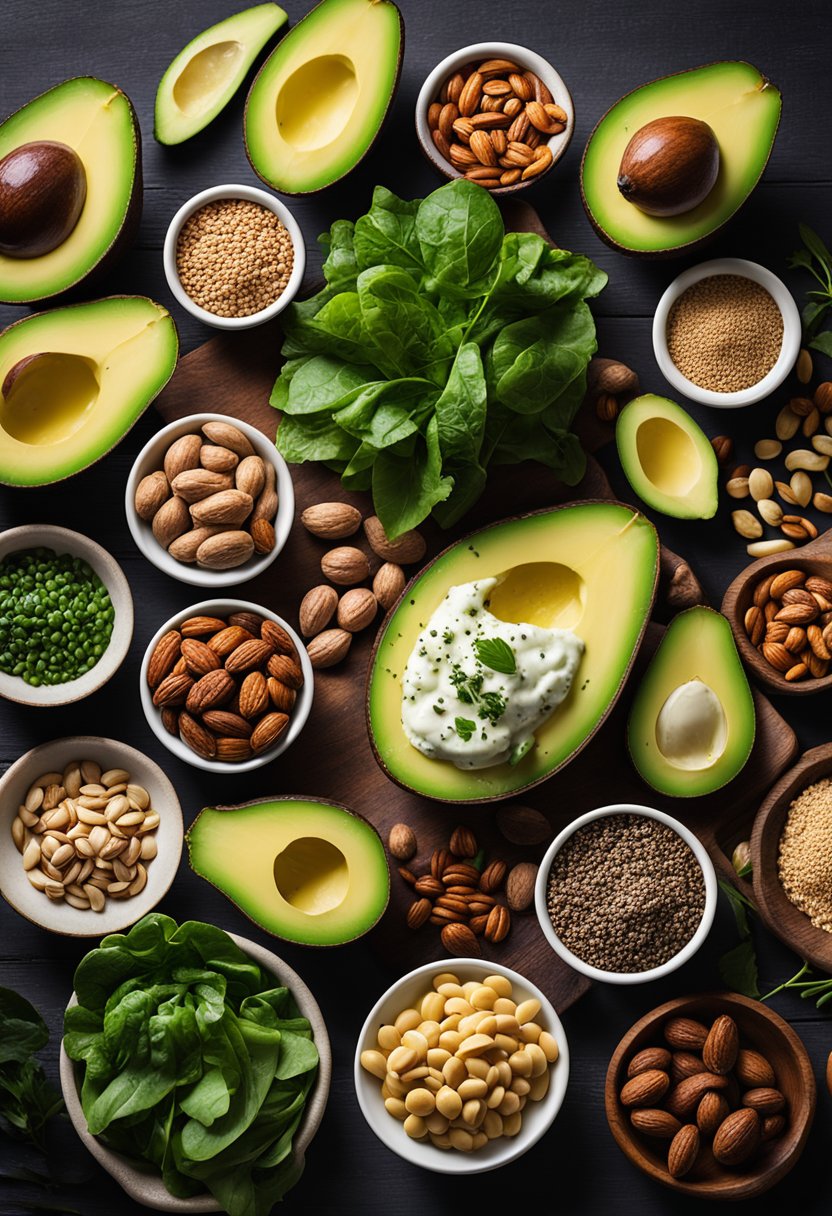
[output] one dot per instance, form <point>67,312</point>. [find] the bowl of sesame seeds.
<point>234,256</point>
<point>625,894</point>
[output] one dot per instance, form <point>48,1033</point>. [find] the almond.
<point>685,1064</point>
<point>647,1059</point>
<point>210,690</point>
<point>165,653</point>
<point>418,913</point>
<point>170,521</point>
<point>172,691</point>
<point>286,669</point>
<point>328,648</point>
<point>610,376</point>
<point>520,886</point>
<point>331,520</point>
<point>222,722</point>
<point>712,1110</point>
<point>278,638</point>
<point>785,582</point>
<point>684,1097</point>
<point>281,697</point>
<point>645,1089</point>
<point>225,551</point>
<point>267,732</point>
<point>317,609</point>
<point>195,484</point>
<point>523,825</point>
<point>430,886</point>
<point>186,546</point>
<point>798,614</point>
<point>218,459</point>
<point>492,876</point>
<point>151,492</point>
<point>252,621</point>
<point>498,924</point>
<point>406,549</point>
<point>226,507</point>
<point>766,1100</point>
<point>357,609</point>
<point>254,695</point>
<point>388,584</point>
<point>250,475</point>
<point>170,720</point>
<point>463,842</point>
<point>267,502</point>
<point>198,657</point>
<point>737,1137</point>
<point>182,454</point>
<point>345,566</point>
<point>196,736</point>
<point>773,1126</point>
<point>459,940</point>
<point>684,1149</point>
<point>248,656</point>
<point>777,656</point>
<point>719,1052</point>
<point>228,639</point>
<point>753,1070</point>
<point>233,750</point>
<point>402,841</point>
<point>200,626</point>
<point>262,533</point>
<point>685,1034</point>
<point>659,1124</point>
<point>225,435</point>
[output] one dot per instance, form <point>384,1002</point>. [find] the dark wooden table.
<point>602,50</point>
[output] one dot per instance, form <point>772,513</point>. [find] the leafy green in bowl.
<point>193,1059</point>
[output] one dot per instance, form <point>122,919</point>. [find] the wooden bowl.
<point>781,916</point>
<point>814,558</point>
<point>759,1028</point>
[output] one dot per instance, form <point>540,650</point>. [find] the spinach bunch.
<point>193,1061</point>
<point>440,345</point>
<point>27,1098</point>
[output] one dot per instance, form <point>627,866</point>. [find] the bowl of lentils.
<point>625,894</point>
<point>234,256</point>
<point>66,615</point>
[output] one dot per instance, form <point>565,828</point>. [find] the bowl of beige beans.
<point>461,1068</point>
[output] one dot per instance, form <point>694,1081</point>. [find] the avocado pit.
<point>691,729</point>
<point>43,188</point>
<point>669,166</point>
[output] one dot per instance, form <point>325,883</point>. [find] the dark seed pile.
<point>625,893</point>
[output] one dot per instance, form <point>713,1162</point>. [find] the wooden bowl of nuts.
<point>711,1095</point>
<point>494,113</point>
<point>790,857</point>
<point>210,501</point>
<point>780,611</point>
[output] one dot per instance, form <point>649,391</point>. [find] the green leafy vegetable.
<point>194,1060</point>
<point>440,345</point>
<point>465,728</point>
<point>27,1098</point>
<point>496,654</point>
<point>738,967</point>
<point>816,258</point>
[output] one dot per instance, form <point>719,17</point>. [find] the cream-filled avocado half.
<point>667,458</point>
<point>74,380</point>
<point>320,98</point>
<point>588,567</point>
<point>95,124</point>
<point>304,869</point>
<point>692,724</point>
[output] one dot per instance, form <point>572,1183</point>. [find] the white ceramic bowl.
<point>62,540</point>
<point>150,459</point>
<point>537,1116</point>
<point>629,977</point>
<point>477,52</point>
<point>118,914</point>
<point>303,704</point>
<point>249,194</point>
<point>788,351</point>
<point>138,1179</point>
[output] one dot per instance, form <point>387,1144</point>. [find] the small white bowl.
<point>788,351</point>
<point>249,194</point>
<point>161,871</point>
<point>138,1179</point>
<point>628,977</point>
<point>149,460</point>
<point>537,1116</point>
<point>62,540</point>
<point>477,52</point>
<point>300,712</point>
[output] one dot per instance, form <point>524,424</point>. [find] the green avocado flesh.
<point>307,871</point>
<point>561,568</point>
<point>743,110</point>
<point>74,380</point>
<point>666,458</point>
<point>692,724</point>
<point>320,98</point>
<point>207,73</point>
<point>96,120</point>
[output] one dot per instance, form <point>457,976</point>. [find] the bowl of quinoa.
<point>234,256</point>
<point>625,894</point>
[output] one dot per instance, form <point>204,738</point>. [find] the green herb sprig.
<point>27,1098</point>
<point>816,258</point>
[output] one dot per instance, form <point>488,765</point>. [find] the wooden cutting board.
<point>233,374</point>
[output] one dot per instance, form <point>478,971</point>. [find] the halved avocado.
<point>741,107</point>
<point>206,74</point>
<point>667,458</point>
<point>692,723</point>
<point>304,869</point>
<point>591,567</point>
<point>74,380</point>
<point>97,121</point>
<point>319,101</point>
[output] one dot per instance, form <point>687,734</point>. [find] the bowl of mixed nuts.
<point>90,835</point>
<point>495,113</point>
<point>226,685</point>
<point>210,501</point>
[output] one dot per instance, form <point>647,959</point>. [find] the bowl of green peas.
<point>66,615</point>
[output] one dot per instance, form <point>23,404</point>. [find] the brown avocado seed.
<point>669,166</point>
<point>43,187</point>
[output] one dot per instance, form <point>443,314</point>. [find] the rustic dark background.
<point>602,50</point>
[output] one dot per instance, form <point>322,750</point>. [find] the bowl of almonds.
<point>90,835</point>
<point>711,1095</point>
<point>494,113</point>
<point>209,501</point>
<point>226,685</point>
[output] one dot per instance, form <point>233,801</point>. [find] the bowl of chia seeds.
<point>625,894</point>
